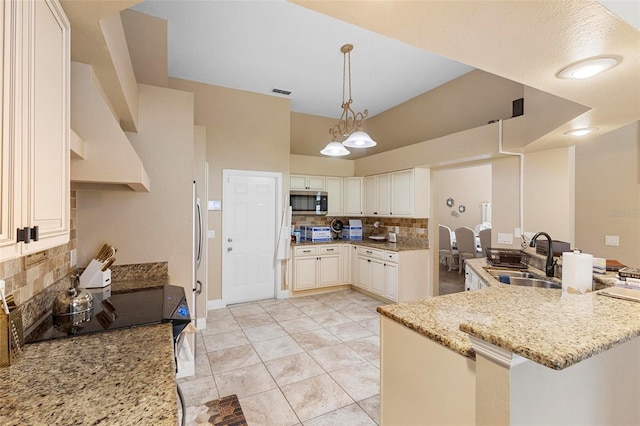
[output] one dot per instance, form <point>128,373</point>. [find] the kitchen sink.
<point>520,274</point>
<point>533,282</point>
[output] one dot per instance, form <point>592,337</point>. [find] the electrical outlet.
<point>505,238</point>
<point>517,233</point>
<point>612,240</point>
<point>396,229</point>
<point>73,257</point>
<point>211,233</point>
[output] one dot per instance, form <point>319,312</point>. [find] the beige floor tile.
<point>221,326</point>
<point>293,368</point>
<point>336,357</point>
<point>351,415</point>
<point>197,392</point>
<point>268,409</point>
<point>299,325</point>
<point>270,303</point>
<point>286,314</point>
<point>315,396</point>
<point>372,324</point>
<point>367,347</point>
<point>349,331</point>
<point>246,309</point>
<point>360,381</point>
<point>245,381</point>
<point>315,339</point>
<point>264,332</point>
<point>218,314</point>
<point>277,348</point>
<point>330,319</point>
<point>233,358</point>
<point>231,339</point>
<point>372,407</point>
<point>254,320</point>
<point>360,314</point>
<point>303,300</point>
<point>317,308</point>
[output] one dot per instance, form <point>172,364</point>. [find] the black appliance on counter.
<point>123,310</point>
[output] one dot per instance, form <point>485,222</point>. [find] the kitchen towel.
<point>577,273</point>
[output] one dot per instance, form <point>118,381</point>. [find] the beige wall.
<point>549,188</point>
<point>325,166</point>
<point>468,186</point>
<point>155,226</point>
<point>246,131</point>
<point>505,199</point>
<point>607,196</point>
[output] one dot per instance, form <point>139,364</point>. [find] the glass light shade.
<point>588,68</point>
<point>581,132</point>
<point>335,149</point>
<point>359,139</point>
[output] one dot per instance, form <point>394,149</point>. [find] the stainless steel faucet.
<point>550,264</point>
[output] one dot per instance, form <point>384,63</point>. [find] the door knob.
<point>229,239</point>
<point>229,248</point>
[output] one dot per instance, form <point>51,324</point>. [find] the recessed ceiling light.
<point>581,132</point>
<point>588,67</point>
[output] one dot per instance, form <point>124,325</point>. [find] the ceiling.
<point>400,50</point>
<point>261,45</point>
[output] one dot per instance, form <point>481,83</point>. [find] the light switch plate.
<point>214,205</point>
<point>73,257</point>
<point>211,233</point>
<point>505,238</point>
<point>612,240</point>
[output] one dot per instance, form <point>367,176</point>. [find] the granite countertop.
<point>127,286</point>
<point>382,245</point>
<point>535,323</point>
<point>122,377</point>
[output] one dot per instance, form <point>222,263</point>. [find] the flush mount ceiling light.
<point>350,124</point>
<point>581,132</point>
<point>588,67</point>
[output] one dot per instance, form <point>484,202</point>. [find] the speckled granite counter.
<point>123,377</point>
<point>535,323</point>
<point>382,245</point>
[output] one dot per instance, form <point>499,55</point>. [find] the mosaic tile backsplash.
<point>410,230</point>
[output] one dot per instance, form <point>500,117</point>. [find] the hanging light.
<point>335,149</point>
<point>350,124</point>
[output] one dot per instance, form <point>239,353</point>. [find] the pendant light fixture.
<point>350,124</point>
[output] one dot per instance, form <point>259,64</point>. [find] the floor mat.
<point>222,412</point>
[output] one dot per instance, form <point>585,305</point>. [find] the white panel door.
<point>249,222</point>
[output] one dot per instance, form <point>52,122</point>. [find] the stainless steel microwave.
<point>308,202</point>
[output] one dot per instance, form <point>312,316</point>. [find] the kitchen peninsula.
<point>510,355</point>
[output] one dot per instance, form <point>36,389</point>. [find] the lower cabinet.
<point>316,266</point>
<point>471,280</point>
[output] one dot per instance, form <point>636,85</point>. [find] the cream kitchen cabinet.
<point>35,127</point>
<point>333,187</point>
<point>377,195</point>
<point>396,276</point>
<point>316,266</point>
<point>471,280</point>
<point>345,254</point>
<point>353,196</point>
<point>312,183</point>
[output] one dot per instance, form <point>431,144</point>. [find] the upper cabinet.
<point>35,127</point>
<point>403,193</point>
<point>334,196</point>
<point>312,183</point>
<point>352,196</point>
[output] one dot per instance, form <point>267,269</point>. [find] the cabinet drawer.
<point>391,256</point>
<point>329,249</point>
<point>369,252</point>
<point>306,251</point>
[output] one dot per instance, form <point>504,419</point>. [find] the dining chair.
<point>485,240</point>
<point>447,252</point>
<point>466,242</point>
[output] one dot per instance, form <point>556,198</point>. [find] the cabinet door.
<point>345,252</point>
<point>316,183</point>
<point>297,182</point>
<point>383,191</point>
<point>304,273</point>
<point>402,193</point>
<point>353,196</point>
<point>334,196</point>
<point>329,270</point>
<point>364,272</point>
<point>370,195</point>
<point>46,129</point>
<point>377,277</point>
<point>391,281</point>
<point>9,188</point>
<point>354,265</point>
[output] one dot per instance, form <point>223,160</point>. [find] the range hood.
<point>109,161</point>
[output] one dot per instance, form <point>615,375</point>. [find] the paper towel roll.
<point>577,273</point>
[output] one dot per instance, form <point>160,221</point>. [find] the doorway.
<point>251,201</point>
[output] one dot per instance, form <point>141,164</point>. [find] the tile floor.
<point>311,360</point>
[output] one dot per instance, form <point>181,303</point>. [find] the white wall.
<point>468,186</point>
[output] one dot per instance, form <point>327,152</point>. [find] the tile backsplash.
<point>409,229</point>
<point>34,281</point>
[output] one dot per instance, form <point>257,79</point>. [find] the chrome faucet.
<point>550,265</point>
